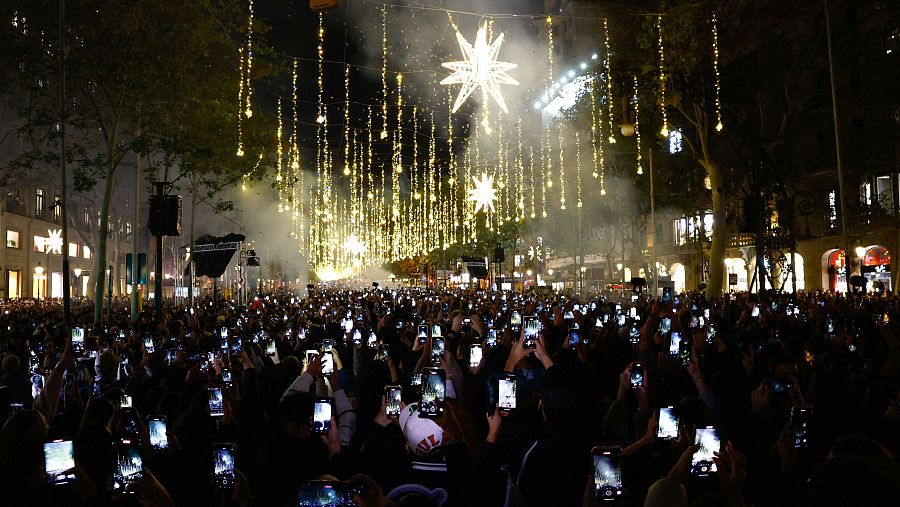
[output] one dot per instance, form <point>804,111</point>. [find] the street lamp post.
<point>77,279</point>
<point>39,276</point>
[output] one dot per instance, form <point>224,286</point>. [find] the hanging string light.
<point>637,129</point>
<point>240,115</point>
<point>607,63</point>
<point>578,169</point>
<point>384,62</point>
<point>531,180</point>
<point>662,80</point>
<point>279,175</point>
<point>549,52</point>
<point>247,111</point>
<point>520,175</point>
<point>562,170</point>
<point>347,120</point>
<point>715,45</point>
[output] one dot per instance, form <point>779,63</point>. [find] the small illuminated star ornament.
<point>483,194</point>
<point>480,69</point>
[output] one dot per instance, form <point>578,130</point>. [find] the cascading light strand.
<point>562,170</point>
<point>578,202</point>
<point>347,120</point>
<point>607,62</point>
<point>240,115</point>
<point>662,81</point>
<point>384,64</point>
<point>279,164</point>
<point>637,125</point>
<point>248,112</point>
<point>715,48</point>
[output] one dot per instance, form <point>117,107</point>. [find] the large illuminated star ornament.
<point>54,243</point>
<point>480,69</point>
<point>484,194</point>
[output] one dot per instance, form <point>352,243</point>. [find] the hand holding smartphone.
<point>322,412</point>
<point>392,401</point>
<point>506,392</point>
<point>702,463</point>
<point>223,466</point>
<point>607,463</point>
<point>637,375</point>
<point>434,386</point>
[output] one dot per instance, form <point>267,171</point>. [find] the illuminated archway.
<point>834,270</point>
<point>676,272</point>
<point>876,266</point>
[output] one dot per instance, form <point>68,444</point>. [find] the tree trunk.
<point>720,232</point>
<point>100,279</point>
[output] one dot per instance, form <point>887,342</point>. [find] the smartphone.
<point>270,348</point>
<point>779,386</point>
<point>392,401</point>
<point>415,380</point>
<point>384,351</point>
<point>475,355</point>
<point>372,340</point>
<point>131,424</point>
<point>684,352</point>
<point>436,330</point>
<point>227,377</point>
<point>515,319</point>
<point>574,337</point>
<point>422,333</point>
<point>59,460</point>
<point>702,463</point>
<point>148,345</point>
<point>695,322</point>
<point>322,415</point>
<point>327,363</point>
<point>216,402</point>
<point>532,327</point>
<point>668,424</point>
<point>491,340</point>
<point>129,467</point>
<point>667,294</point>
<point>621,320</point>
<point>156,425</point>
<point>710,332</point>
<point>78,340</point>
<point>755,311</point>
<point>665,325</point>
<point>434,385</point>
<point>634,334</point>
<point>125,401</point>
<point>607,473</point>
<point>637,374</point>
<point>506,392</point>
<point>801,420</point>
<point>437,350</point>
<point>674,343</point>
<point>327,345</point>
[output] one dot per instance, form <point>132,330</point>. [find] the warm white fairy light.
<point>578,169</point>
<point>562,170</point>
<point>637,129</point>
<point>607,62</point>
<point>662,81</point>
<point>384,60</point>
<point>240,115</point>
<point>715,45</point>
<point>247,111</point>
<point>480,69</point>
<point>483,194</point>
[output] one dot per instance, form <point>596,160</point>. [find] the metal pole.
<point>654,268</point>
<point>837,152</point>
<point>109,284</point>
<point>63,194</point>
<point>135,263</point>
<point>159,248</point>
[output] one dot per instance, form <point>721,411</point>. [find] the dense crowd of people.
<point>425,397</point>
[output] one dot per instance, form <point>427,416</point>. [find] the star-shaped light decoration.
<point>483,194</point>
<point>480,69</point>
<point>54,243</point>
